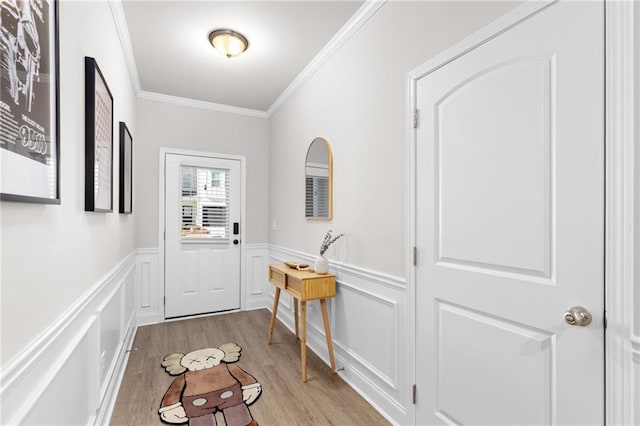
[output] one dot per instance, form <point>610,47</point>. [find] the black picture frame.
<point>98,188</point>
<point>30,103</point>
<point>126,170</point>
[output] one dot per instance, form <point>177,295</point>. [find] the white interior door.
<point>510,226</point>
<point>202,239</point>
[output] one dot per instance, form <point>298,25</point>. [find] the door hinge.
<point>414,391</point>
<point>164,235</point>
<point>415,118</point>
<point>604,319</point>
<point>415,256</point>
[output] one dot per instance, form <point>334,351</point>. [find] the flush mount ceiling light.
<point>228,42</point>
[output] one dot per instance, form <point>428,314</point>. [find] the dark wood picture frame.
<point>98,188</point>
<point>126,170</point>
<point>30,94</point>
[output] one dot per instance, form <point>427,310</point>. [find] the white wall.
<point>174,126</point>
<point>357,102</point>
<point>53,254</point>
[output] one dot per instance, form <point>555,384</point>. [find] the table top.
<point>301,275</point>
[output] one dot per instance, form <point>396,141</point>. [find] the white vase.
<point>321,266</point>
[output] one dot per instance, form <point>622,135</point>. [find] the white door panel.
<point>202,269</point>
<point>510,225</point>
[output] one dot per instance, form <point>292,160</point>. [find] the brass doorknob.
<point>577,315</point>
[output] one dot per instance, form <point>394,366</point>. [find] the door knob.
<point>577,315</point>
<point>236,242</point>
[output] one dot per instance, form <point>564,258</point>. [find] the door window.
<point>205,203</point>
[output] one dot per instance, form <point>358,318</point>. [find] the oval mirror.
<point>319,180</point>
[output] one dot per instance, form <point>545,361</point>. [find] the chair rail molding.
<point>82,352</point>
<point>366,300</point>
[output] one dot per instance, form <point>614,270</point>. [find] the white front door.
<point>202,250</point>
<point>510,226</point>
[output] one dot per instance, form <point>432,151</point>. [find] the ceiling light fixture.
<point>228,42</point>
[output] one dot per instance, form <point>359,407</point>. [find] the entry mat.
<point>207,381</point>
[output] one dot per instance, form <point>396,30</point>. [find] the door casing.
<point>161,217</point>
<point>619,189</point>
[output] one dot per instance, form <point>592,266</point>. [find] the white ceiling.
<point>173,55</point>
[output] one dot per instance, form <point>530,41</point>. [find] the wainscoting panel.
<point>70,374</point>
<point>375,316</point>
<point>369,321</point>
<point>149,295</point>
<point>255,278</point>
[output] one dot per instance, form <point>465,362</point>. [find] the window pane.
<point>205,203</point>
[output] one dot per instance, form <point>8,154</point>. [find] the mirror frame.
<point>330,154</point>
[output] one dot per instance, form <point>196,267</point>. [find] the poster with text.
<point>28,101</point>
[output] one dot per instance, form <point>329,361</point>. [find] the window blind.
<point>205,203</point>
<point>317,196</point>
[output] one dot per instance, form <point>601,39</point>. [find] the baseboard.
<point>75,363</point>
<point>149,293</point>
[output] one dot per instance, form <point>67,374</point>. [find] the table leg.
<point>303,339</point>
<point>276,299</point>
<point>295,313</point>
<point>327,332</point>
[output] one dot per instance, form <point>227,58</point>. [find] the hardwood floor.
<point>324,400</point>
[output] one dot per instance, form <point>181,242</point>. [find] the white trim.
<point>388,391</point>
<point>56,366</point>
<point>363,273</point>
<point>21,363</point>
<point>161,218</point>
<point>256,280</point>
<point>619,205</point>
<point>349,380</point>
<point>31,380</point>
<point>349,29</point>
<point>194,103</point>
<point>392,382</point>
<point>115,380</point>
<point>620,131</point>
<point>122,29</point>
<point>482,36</point>
<point>148,295</point>
<point>410,231</point>
<point>111,369</point>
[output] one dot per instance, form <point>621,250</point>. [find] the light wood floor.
<point>324,400</point>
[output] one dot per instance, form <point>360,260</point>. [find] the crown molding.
<point>350,28</point>
<point>193,103</point>
<point>122,29</point>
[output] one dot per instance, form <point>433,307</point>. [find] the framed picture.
<point>98,189</point>
<point>126,170</point>
<point>29,102</point>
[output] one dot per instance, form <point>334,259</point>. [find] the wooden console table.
<point>303,286</point>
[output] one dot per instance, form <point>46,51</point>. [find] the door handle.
<point>577,315</point>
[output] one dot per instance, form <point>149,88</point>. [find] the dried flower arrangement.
<point>328,240</point>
